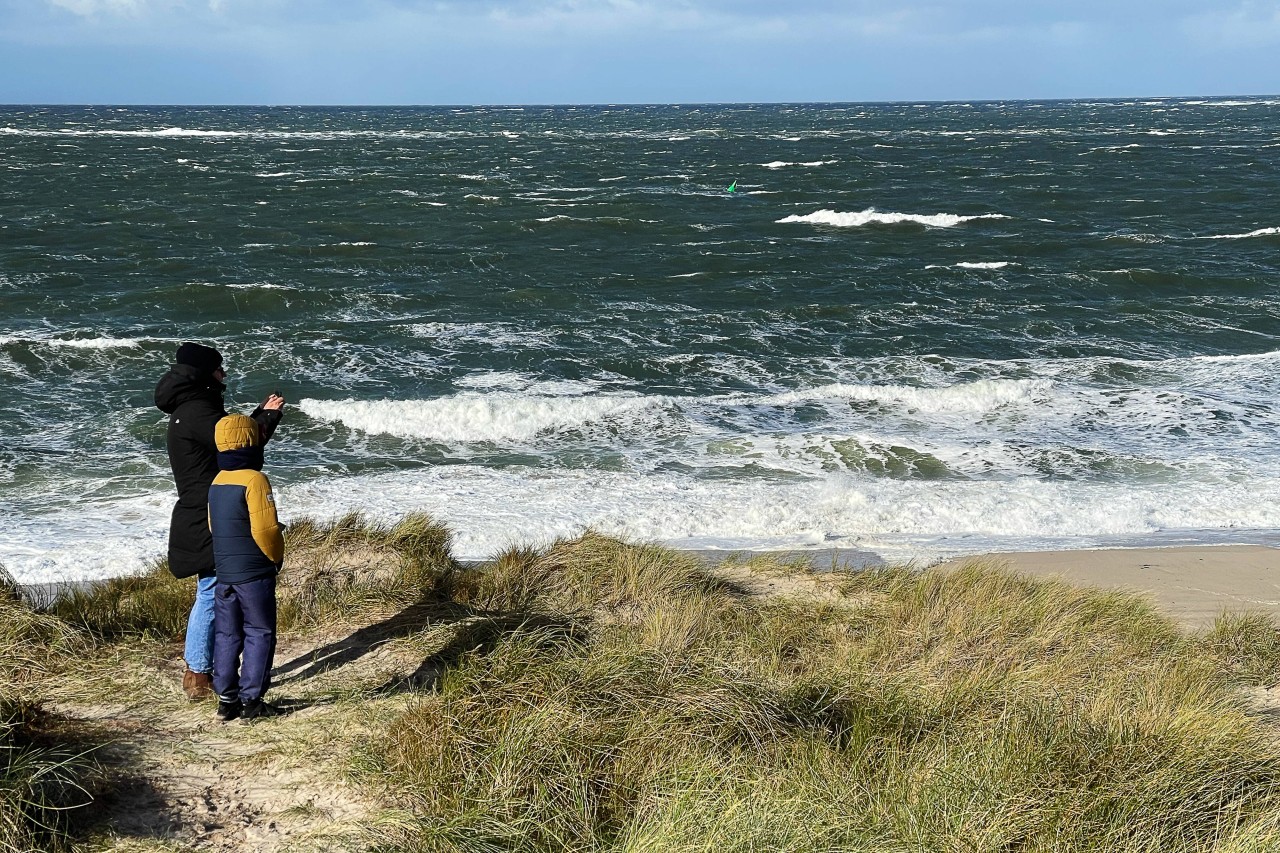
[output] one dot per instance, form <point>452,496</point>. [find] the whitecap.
<point>983,395</point>
<point>871,216</point>
<point>1261,232</point>
<point>782,164</point>
<point>472,417</point>
<point>102,343</point>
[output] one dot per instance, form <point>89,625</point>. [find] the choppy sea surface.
<point>914,329</point>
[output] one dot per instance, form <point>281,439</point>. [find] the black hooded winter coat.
<point>193,401</point>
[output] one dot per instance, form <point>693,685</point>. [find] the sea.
<point>911,329</point>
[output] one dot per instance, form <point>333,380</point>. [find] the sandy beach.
<point>1192,584</point>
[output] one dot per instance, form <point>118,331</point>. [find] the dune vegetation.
<point>594,694</point>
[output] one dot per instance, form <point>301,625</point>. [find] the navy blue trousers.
<point>244,622</point>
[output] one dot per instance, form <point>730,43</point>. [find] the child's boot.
<point>256,709</point>
<point>228,711</point>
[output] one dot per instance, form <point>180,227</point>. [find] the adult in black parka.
<point>191,394</point>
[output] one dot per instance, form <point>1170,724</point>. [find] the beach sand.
<point>1192,584</point>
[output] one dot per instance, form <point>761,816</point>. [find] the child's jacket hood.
<point>239,443</point>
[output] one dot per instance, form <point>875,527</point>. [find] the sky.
<point>629,51</point>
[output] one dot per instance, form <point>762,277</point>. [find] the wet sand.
<point>1192,584</point>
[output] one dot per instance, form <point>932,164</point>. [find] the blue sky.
<point>628,51</point>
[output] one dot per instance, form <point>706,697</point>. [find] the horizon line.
<point>611,104</point>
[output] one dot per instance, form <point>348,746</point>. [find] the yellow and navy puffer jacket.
<point>247,541</point>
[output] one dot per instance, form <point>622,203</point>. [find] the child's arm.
<point>262,519</point>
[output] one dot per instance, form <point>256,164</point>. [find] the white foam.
<point>507,336</point>
<point>1261,232</point>
<point>983,395</point>
<point>1252,103</point>
<point>983,265</point>
<point>782,164</point>
<point>470,417</point>
<point>491,509</point>
<point>1028,461</point>
<point>165,133</point>
<point>104,343</point>
<point>871,216</point>
<point>104,540</point>
<point>501,379</point>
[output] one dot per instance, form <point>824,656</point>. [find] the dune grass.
<point>967,710</point>
<point>334,571</point>
<point>602,695</point>
<point>47,766</point>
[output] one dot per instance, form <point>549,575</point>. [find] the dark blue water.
<point>911,328</point>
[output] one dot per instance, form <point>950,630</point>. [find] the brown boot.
<point>197,685</point>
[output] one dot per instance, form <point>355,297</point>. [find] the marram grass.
<point>965,710</point>
<point>337,571</point>
<point>608,696</point>
<point>46,773</point>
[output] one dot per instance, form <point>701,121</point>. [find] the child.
<point>248,551</point>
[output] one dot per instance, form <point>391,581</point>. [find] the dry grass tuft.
<point>1249,645</point>
<point>579,576</point>
<point>153,604</point>
<point>46,771</point>
<point>343,569</point>
<point>972,709</point>
<point>335,571</point>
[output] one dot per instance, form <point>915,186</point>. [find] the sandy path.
<point>194,783</point>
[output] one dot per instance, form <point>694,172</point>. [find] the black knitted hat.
<point>202,358</point>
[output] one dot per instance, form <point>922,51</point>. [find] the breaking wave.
<point>871,216</point>
<point>1261,232</point>
<point>472,417</point>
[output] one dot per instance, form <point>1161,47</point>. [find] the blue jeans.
<point>199,651</point>
<point>245,624</point>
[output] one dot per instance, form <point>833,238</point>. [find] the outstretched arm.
<point>269,415</point>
